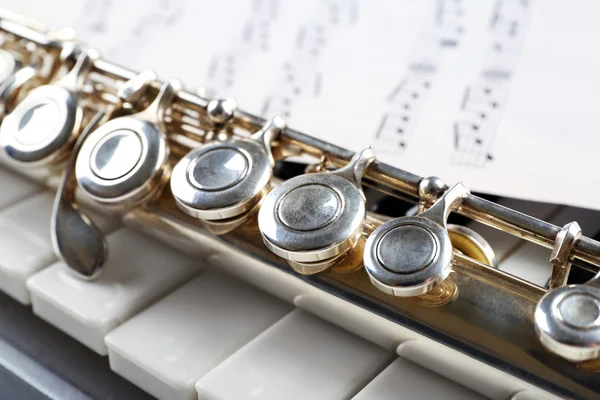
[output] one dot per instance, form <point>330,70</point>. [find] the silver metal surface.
<point>44,125</point>
<point>220,111</point>
<point>408,256</point>
<point>567,320</point>
<point>218,169</point>
<point>314,217</point>
<point>431,188</point>
<point>561,254</point>
<point>75,237</point>
<point>40,125</point>
<point>222,180</point>
<point>309,207</point>
<point>120,161</point>
<point>122,145</point>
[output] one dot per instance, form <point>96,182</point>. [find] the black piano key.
<point>70,361</point>
<point>13,387</point>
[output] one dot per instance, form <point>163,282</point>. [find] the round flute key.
<point>407,256</point>
<point>309,208</point>
<point>218,169</point>
<point>121,160</point>
<point>122,145</point>
<point>41,126</point>
<point>44,126</point>
<point>312,217</point>
<point>223,180</point>
<point>567,321</point>
<point>125,160</point>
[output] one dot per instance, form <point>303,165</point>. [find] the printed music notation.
<point>405,103</point>
<point>99,16</point>
<point>483,102</point>
<point>255,37</point>
<point>301,76</point>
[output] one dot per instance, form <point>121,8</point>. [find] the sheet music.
<point>501,94</point>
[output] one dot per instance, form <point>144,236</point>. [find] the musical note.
<point>449,22</point>
<point>301,76</point>
<point>96,12</point>
<point>406,101</point>
<point>255,37</point>
<point>98,22</point>
<point>481,109</point>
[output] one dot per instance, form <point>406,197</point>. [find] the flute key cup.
<point>408,256</point>
<point>567,321</point>
<point>314,219</point>
<point>223,181</point>
<point>43,127</point>
<point>124,161</point>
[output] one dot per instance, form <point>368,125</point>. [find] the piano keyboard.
<point>173,327</point>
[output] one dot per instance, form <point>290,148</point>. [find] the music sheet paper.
<point>501,94</point>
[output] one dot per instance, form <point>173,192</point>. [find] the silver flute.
<point>198,174</point>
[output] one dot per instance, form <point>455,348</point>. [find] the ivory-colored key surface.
<point>502,242</point>
<point>189,332</point>
<point>139,271</point>
<point>404,379</point>
<point>467,371</point>
<point>300,357</point>
<point>532,262</point>
<point>528,395</point>
<point>25,242</point>
<point>15,188</point>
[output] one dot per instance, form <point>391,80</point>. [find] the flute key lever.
<point>567,321</point>
<point>314,219</point>
<point>124,161</point>
<point>226,179</point>
<point>567,318</point>
<point>75,237</point>
<point>43,127</point>
<point>408,256</point>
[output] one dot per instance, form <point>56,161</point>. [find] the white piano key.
<point>190,332</point>
<point>300,357</point>
<point>530,395</point>
<point>404,379</point>
<point>303,295</point>
<point>138,271</point>
<point>25,242</point>
<point>467,371</point>
<point>532,262</point>
<point>15,188</point>
<point>503,243</point>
